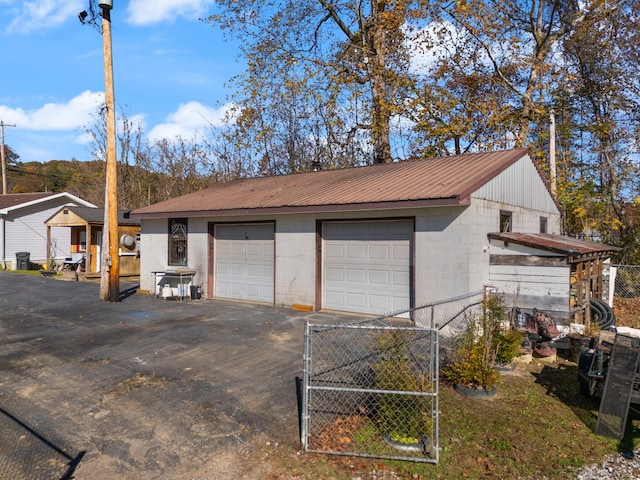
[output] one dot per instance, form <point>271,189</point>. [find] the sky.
<point>169,68</point>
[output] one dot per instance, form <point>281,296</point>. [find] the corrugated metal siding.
<point>518,185</point>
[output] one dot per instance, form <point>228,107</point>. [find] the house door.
<point>98,250</point>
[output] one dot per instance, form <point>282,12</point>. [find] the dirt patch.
<point>627,311</point>
<point>138,381</point>
<point>339,435</point>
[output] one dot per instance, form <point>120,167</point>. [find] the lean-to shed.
<point>557,274</point>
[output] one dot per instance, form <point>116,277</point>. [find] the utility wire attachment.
<point>92,16</point>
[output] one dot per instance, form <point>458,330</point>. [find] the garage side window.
<point>543,224</point>
<point>178,241</point>
<point>505,221</point>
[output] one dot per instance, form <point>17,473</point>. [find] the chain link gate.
<point>370,388</point>
<point>371,391</point>
<point>626,281</point>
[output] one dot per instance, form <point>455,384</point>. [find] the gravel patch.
<point>625,466</point>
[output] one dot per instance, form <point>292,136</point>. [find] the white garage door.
<point>244,262</point>
<point>366,266</point>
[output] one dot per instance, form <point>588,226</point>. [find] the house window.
<point>82,240</point>
<point>543,224</point>
<point>505,221</point>
<point>178,241</point>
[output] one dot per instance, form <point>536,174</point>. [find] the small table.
<point>179,274</point>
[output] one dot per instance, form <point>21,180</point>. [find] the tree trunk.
<point>380,112</point>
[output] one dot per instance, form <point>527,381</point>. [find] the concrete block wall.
<point>451,248</point>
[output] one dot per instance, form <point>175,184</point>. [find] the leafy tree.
<point>149,172</point>
<point>330,69</point>
<point>606,99</point>
<point>180,163</point>
<point>501,63</point>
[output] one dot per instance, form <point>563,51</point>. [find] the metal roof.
<point>555,243</point>
<point>14,199</point>
<point>435,181</point>
<point>96,215</point>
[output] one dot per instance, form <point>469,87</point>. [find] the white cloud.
<point>189,121</point>
<point>431,43</point>
<point>43,14</point>
<point>439,40</point>
<point>56,116</point>
<point>143,12</point>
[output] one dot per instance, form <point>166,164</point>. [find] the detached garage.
<point>372,239</point>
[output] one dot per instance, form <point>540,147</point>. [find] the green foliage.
<point>404,417</point>
<point>488,340</point>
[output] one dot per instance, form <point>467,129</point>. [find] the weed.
<point>404,417</point>
<point>500,445</point>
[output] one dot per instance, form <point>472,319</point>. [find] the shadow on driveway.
<point>27,454</point>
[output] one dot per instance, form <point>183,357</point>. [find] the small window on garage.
<point>178,241</point>
<point>543,224</point>
<point>505,221</point>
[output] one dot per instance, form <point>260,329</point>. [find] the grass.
<point>538,426</point>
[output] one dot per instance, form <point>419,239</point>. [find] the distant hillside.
<point>136,187</point>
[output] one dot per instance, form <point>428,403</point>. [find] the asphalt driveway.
<point>142,389</point>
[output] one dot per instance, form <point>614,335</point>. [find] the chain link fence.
<point>370,388</point>
<point>627,281</point>
<point>625,298</point>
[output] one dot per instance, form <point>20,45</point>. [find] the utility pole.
<point>110,276</point>
<point>4,164</point>
<point>552,152</point>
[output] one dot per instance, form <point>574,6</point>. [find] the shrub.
<point>489,339</point>
<point>404,417</point>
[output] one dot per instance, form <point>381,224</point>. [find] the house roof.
<point>411,183</point>
<point>556,243</point>
<point>15,201</point>
<point>96,215</point>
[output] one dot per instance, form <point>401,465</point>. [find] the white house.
<point>371,239</point>
<point>23,229</point>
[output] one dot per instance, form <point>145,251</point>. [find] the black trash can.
<point>22,260</point>
<point>196,292</point>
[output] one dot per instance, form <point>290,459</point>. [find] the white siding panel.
<point>26,231</point>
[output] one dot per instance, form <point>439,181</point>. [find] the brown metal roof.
<point>435,181</point>
<point>13,199</point>
<point>555,243</point>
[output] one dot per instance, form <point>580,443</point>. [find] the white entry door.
<point>367,266</point>
<point>99,251</point>
<point>244,259</point>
